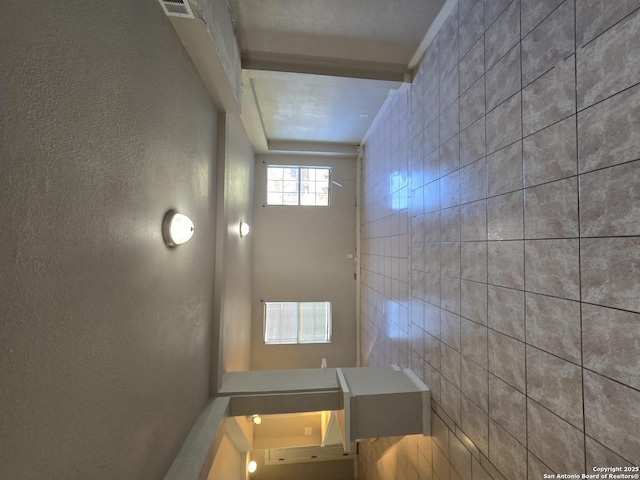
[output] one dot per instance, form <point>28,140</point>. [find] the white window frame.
<point>272,339</point>
<point>299,182</point>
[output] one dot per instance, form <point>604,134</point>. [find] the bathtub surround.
<point>500,242</point>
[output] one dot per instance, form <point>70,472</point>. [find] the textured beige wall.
<point>236,166</point>
<point>300,254</point>
<point>105,333</point>
<point>229,463</point>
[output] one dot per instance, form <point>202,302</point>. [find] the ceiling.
<point>316,72</point>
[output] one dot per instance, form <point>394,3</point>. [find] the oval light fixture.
<point>176,228</point>
<point>252,466</point>
<point>244,229</point>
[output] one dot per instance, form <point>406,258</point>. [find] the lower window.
<point>297,322</point>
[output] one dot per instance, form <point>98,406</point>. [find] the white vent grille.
<point>177,8</point>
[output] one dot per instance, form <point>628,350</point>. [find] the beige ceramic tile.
<point>450,259</point>
<point>555,384</point>
<point>449,225</point>
<point>503,34</point>
<point>504,124</point>
<point>506,454</point>
<point>474,383</point>
<point>507,359</point>
<point>450,329</point>
<point>610,63</point>
<point>599,456</point>
<point>473,183</point>
<point>551,153</point>
<point>609,272</point>
<point>551,210</point>
<point>504,170</point>
<point>506,263</point>
<point>473,261</point>
<point>612,414</point>
<point>503,79</point>
<point>505,216</point>
<point>475,423</point>
<point>535,12</point>
<point>472,142</point>
<point>553,325</point>
<point>555,442</point>
<point>472,104</point>
<point>450,156</point>
<point>474,221</point>
<point>450,294</point>
<point>610,201</point>
<point>537,469</point>
<point>508,407</point>
<point>451,400</point>
<point>550,98</point>
<point>474,342</point>
<point>473,301</point>
<point>549,43</point>
<point>471,28</point>
<point>460,458</point>
<point>471,66</point>
<point>552,267</point>
<point>610,343</point>
<point>593,17</point>
<point>506,311</point>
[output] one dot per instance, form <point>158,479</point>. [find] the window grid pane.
<point>281,323</point>
<point>297,322</point>
<point>293,185</point>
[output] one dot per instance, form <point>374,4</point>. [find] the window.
<point>292,185</point>
<point>297,322</point>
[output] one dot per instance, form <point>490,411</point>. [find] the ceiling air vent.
<point>177,8</point>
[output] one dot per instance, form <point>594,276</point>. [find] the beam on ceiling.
<point>326,148</point>
<point>326,66</point>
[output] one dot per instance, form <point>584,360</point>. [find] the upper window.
<point>297,322</point>
<point>293,185</point>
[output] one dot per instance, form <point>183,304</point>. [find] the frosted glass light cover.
<point>252,466</point>
<point>244,229</point>
<point>176,228</point>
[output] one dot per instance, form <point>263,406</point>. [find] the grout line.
<point>505,101</point>
<point>486,231</point>
<point>486,29</point>
<point>524,263</point>
<point>517,45</point>
<point>635,463</point>
<point>606,30</point>
<point>635,389</point>
<point>541,21</point>
<point>584,417</point>
<point>536,457</point>
<point>607,98</point>
<point>523,85</point>
<point>504,427</point>
<point>555,414</point>
<point>485,235</point>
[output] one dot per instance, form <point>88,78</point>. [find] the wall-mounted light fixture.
<point>244,229</point>
<point>252,466</point>
<point>176,228</point>
<point>257,419</point>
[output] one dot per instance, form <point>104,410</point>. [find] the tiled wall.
<point>385,240</point>
<point>512,164</point>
